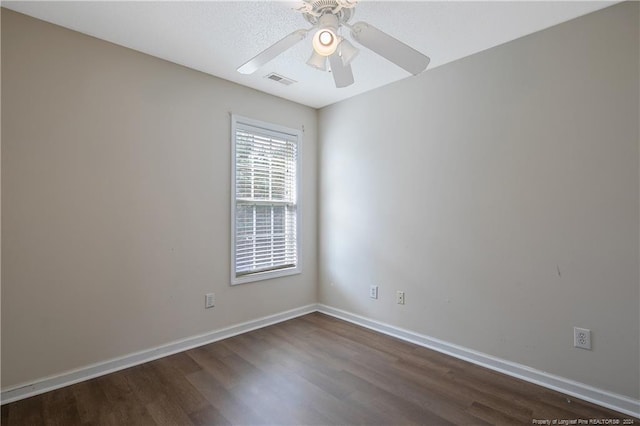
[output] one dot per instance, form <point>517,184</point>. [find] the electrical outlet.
<point>581,338</point>
<point>209,300</point>
<point>400,297</point>
<point>373,291</point>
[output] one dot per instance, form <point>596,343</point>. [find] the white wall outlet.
<point>209,300</point>
<point>400,297</point>
<point>373,291</point>
<point>581,338</point>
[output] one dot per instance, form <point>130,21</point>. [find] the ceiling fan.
<point>327,18</point>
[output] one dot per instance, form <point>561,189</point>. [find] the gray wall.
<point>501,193</point>
<point>116,201</point>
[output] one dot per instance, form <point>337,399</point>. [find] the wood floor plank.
<point>312,370</point>
<point>307,402</point>
<point>175,385</point>
<point>208,416</point>
<point>368,338</point>
<point>60,408</point>
<point>258,390</point>
<point>494,416</point>
<point>453,391</point>
<point>167,412</point>
<point>433,400</point>
<point>214,365</point>
<point>232,409</point>
<point>4,415</point>
<point>542,410</point>
<point>124,405</point>
<point>90,402</point>
<point>579,409</point>
<point>28,411</point>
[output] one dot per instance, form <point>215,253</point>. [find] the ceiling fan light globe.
<point>325,38</point>
<point>347,52</point>
<point>325,42</point>
<point>317,61</point>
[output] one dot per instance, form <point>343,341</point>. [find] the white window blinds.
<point>265,202</point>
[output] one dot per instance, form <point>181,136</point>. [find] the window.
<point>265,210</point>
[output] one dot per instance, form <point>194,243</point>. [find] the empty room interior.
<point>320,212</point>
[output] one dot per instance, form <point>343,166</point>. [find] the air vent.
<point>280,79</point>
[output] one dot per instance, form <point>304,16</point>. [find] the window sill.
<point>267,275</point>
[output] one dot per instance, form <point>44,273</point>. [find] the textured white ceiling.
<point>216,37</point>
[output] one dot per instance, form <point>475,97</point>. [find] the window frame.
<point>278,131</point>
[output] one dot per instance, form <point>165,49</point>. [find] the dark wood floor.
<point>311,370</point>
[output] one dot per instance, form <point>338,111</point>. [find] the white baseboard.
<point>47,384</point>
<point>601,397</point>
<point>579,390</point>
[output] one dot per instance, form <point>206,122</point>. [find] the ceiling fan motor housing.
<point>342,9</point>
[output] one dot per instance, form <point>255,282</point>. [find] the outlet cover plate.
<point>400,297</point>
<point>373,291</point>
<point>209,300</point>
<point>582,338</point>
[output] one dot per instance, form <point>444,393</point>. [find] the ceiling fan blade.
<point>342,74</point>
<point>389,48</point>
<point>271,52</point>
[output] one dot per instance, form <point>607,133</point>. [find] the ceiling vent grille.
<point>280,79</point>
